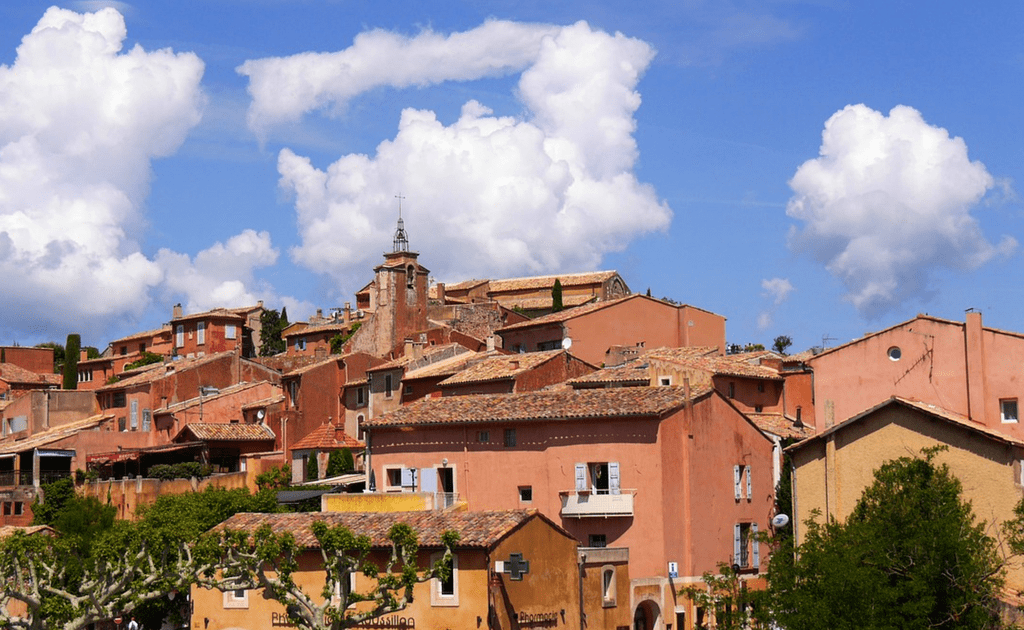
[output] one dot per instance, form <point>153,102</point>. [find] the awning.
<point>54,453</point>
<point>135,453</point>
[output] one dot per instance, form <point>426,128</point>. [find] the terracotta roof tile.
<point>465,285</point>
<point>316,328</point>
<point>477,529</point>
<point>165,330</point>
<point>235,432</point>
<point>780,425</point>
<point>16,374</point>
<point>501,367</point>
<point>540,405</point>
<point>222,313</point>
<point>567,314</point>
<point>430,354</point>
<point>222,393</point>
<point>546,282</point>
<point>9,530</point>
<point>720,365</point>
<point>327,437</point>
<point>10,445</point>
<point>537,303</point>
<point>265,402</point>
<point>157,371</point>
<point>633,372</point>
<point>445,367</point>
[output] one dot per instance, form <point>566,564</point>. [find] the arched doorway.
<point>647,616</point>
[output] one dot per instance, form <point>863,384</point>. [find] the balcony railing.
<point>587,504</point>
<point>445,500</point>
<point>24,477</point>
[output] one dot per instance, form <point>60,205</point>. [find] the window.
<point>666,380</point>
<point>118,399</point>
<point>410,277</point>
<point>608,593</point>
<point>549,345</point>
<point>179,336</point>
<point>388,386</point>
<point>894,353</point>
<point>230,331</point>
<point>760,387</point>
<point>445,592</point>
<point>121,424</point>
<point>742,482</point>
<point>598,477</point>
<point>7,508</point>
<point>1008,410</point>
<point>293,394</point>
<point>16,424</point>
<point>300,343</point>
<point>236,599</point>
<point>399,479</point>
<point>147,419</point>
<point>510,438</point>
<point>483,436</point>
<point>18,508</point>
<point>758,408</point>
<point>359,425</point>
<point>84,376</point>
<point>525,494</point>
<point>134,415</point>
<point>124,350</point>
<point>200,333</point>
<point>746,552</point>
<point>732,390</point>
<point>360,397</point>
<point>597,540</point>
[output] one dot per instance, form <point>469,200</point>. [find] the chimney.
<point>319,314</point>
<point>176,313</point>
<point>440,293</point>
<point>974,353</point>
<point>408,350</point>
<point>83,355</point>
<point>490,343</point>
<point>417,349</point>
<point>348,312</point>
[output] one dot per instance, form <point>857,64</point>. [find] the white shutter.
<point>408,477</point>
<point>581,477</point>
<point>736,480</point>
<point>428,480</point>
<point>749,493</point>
<point>135,415</point>
<point>201,333</point>
<point>755,546</point>
<point>736,543</point>
<point>613,477</point>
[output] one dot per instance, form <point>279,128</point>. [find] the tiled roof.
<point>685,352</point>
<point>265,402</point>
<point>536,303</point>
<point>332,358</point>
<point>430,354</point>
<point>465,285</point>
<point>157,371</point>
<point>477,529</point>
<point>632,372</point>
<point>43,438</point>
<point>505,366</point>
<point>546,282</point>
<point>9,530</point>
<point>932,410</point>
<point>165,330</point>
<point>316,328</point>
<point>222,313</point>
<point>235,432</point>
<point>541,405</point>
<point>16,374</point>
<point>326,437</point>
<point>445,367</point>
<point>780,425</point>
<point>723,365</point>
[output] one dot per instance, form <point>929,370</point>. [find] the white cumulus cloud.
<point>887,202</point>
<point>486,195</point>
<point>80,120</point>
<point>776,290</point>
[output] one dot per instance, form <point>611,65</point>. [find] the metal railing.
<point>445,500</point>
<point>24,477</point>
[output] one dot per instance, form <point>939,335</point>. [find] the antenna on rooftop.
<point>825,339</point>
<point>401,239</point>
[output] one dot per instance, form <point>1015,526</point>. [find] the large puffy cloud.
<point>80,121</point>
<point>221,275</point>
<point>888,202</point>
<point>487,195</point>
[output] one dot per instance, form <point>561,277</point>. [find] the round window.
<point>895,353</point>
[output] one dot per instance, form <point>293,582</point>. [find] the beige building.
<point>832,469</point>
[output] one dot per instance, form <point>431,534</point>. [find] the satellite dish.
<point>566,343</point>
<point>260,414</point>
<point>780,521</point>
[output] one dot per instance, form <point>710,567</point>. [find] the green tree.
<point>271,325</point>
<point>230,560</point>
<point>72,349</point>
<point>340,462</point>
<point>782,343</point>
<point>312,472</point>
<point>58,355</point>
<point>911,555</point>
<point>49,504</point>
<point>726,595</point>
<point>556,296</point>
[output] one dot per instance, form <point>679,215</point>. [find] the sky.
<point>815,169</point>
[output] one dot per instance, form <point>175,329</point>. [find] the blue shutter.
<point>755,545</point>
<point>736,544</point>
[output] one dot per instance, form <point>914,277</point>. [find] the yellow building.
<point>832,469</point>
<point>512,569</point>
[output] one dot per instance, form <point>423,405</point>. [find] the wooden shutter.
<point>613,477</point>
<point>736,480</point>
<point>736,543</point>
<point>581,477</point>
<point>749,493</point>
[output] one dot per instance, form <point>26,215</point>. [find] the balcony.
<point>589,504</point>
<point>24,477</point>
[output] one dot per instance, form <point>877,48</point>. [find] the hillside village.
<point>596,458</point>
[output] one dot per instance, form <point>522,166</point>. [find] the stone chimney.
<point>319,314</point>
<point>176,313</point>
<point>83,355</point>
<point>974,347</point>
<point>490,343</point>
<point>440,293</point>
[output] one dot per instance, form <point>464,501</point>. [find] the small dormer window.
<point>410,277</point>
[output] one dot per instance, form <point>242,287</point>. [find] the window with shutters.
<point>200,333</point>
<point>147,419</point>
<point>179,336</point>
<point>230,332</point>
<point>746,552</point>
<point>742,482</point>
<point>598,477</point>
<point>134,415</point>
<point>399,479</point>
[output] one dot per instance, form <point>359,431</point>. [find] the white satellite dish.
<point>566,343</point>
<point>260,414</point>
<point>780,521</point>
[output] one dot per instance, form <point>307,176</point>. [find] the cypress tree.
<point>556,296</point>
<point>71,351</point>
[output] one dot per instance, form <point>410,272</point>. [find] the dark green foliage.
<point>48,506</point>
<point>91,352</point>
<point>909,556</point>
<point>340,463</point>
<point>311,468</point>
<point>271,325</point>
<point>556,297</point>
<point>338,341</point>
<point>275,478</point>
<point>72,349</point>
<point>182,470</point>
<point>782,343</point>
<point>148,358</point>
<point>186,516</point>
<point>727,595</point>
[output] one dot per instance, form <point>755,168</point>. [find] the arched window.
<point>410,277</point>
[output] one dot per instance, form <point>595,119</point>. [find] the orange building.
<point>962,367</point>
<point>635,320</point>
<point>215,331</point>
<point>533,294</point>
<point>511,569</point>
<point>681,479</point>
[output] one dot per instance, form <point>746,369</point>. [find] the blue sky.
<point>221,152</point>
